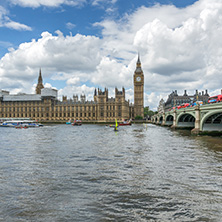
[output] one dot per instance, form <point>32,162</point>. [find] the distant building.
<point>40,84</point>
<point>45,106</point>
<point>161,106</point>
<point>138,80</point>
<point>174,99</point>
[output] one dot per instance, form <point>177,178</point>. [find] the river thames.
<point>91,173</point>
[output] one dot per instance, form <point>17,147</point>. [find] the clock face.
<point>138,79</point>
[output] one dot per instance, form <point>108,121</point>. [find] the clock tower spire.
<point>138,79</point>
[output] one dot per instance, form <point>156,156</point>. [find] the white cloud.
<point>77,90</point>
<point>17,26</point>
<point>110,72</point>
<point>47,3</point>
<point>99,2</point>
<point>67,56</point>
<point>70,25</point>
<point>73,81</point>
<point>5,21</point>
<point>179,49</point>
<point>5,44</point>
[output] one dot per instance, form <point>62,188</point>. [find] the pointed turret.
<point>40,77</point>
<point>138,65</point>
<point>138,61</point>
<point>39,85</point>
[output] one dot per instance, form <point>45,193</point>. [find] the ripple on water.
<point>90,173</point>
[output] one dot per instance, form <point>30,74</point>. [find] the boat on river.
<point>125,123</point>
<point>20,123</point>
<point>115,128</point>
<point>69,122</point>
<point>77,123</point>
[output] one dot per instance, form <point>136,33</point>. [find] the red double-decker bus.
<point>215,99</point>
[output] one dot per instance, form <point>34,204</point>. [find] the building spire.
<point>138,60</point>
<point>40,77</point>
<point>39,85</point>
<point>138,65</point>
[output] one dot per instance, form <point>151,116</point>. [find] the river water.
<point>91,173</point>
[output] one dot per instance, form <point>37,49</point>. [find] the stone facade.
<point>45,106</point>
<point>138,80</point>
<point>161,106</point>
<point>174,99</point>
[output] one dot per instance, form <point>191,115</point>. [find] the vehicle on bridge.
<point>215,99</point>
<point>183,105</point>
<point>197,102</point>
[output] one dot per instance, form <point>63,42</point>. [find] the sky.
<point>81,45</point>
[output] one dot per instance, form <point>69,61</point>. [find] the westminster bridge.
<point>202,118</point>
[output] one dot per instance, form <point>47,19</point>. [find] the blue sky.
<point>81,18</point>
<point>82,44</point>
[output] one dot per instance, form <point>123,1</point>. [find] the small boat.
<point>116,126</point>
<point>125,123</point>
<point>69,122</point>
<point>77,123</point>
<point>20,123</point>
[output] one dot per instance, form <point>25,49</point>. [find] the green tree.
<point>148,112</point>
<point>138,117</point>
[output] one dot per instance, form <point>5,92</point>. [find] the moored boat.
<point>20,123</point>
<point>77,123</point>
<point>69,122</point>
<point>125,123</point>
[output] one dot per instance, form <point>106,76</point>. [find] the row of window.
<point>21,103</point>
<point>57,108</point>
<point>25,109</point>
<point>8,115</point>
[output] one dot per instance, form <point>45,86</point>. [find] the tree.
<point>147,112</point>
<point>138,117</point>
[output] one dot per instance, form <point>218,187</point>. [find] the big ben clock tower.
<point>138,79</point>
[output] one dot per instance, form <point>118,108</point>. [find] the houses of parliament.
<point>45,106</point>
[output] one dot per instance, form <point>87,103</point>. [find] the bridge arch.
<point>169,120</point>
<point>156,119</point>
<point>212,121</point>
<point>186,120</point>
<point>160,121</point>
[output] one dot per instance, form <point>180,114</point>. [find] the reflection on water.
<point>91,173</point>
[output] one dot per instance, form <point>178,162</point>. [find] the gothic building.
<point>174,99</point>
<point>39,85</point>
<point>45,106</point>
<point>138,80</point>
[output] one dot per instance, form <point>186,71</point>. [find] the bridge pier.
<point>196,130</point>
<point>174,126</point>
<point>164,120</point>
